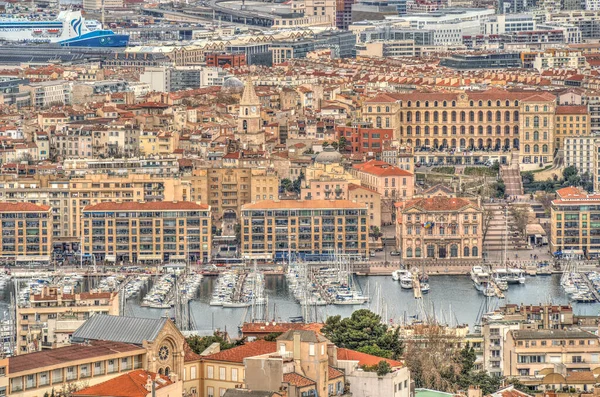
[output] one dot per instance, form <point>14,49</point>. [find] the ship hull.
<point>101,38</point>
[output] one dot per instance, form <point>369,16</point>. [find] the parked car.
<point>395,253</point>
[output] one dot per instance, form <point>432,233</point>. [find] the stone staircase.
<point>511,175</point>
<point>494,239</point>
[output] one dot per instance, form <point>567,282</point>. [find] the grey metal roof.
<point>305,336</point>
<point>119,329</point>
<point>552,334</point>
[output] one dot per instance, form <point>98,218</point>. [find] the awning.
<point>535,229</point>
<point>32,258</point>
<point>150,257</point>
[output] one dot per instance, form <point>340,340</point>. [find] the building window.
<point>222,373</point>
<point>210,391</point>
<point>311,349</point>
<point>210,372</point>
<point>234,374</point>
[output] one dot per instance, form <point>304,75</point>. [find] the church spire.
<point>249,96</point>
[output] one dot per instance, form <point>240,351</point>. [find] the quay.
<point>593,290</point>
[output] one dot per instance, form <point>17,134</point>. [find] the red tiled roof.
<point>381,168</point>
<point>23,207</point>
<point>63,355</point>
<point>571,109</point>
<point>132,384</point>
<point>189,354</point>
<point>238,354</point>
<point>364,358</point>
<point>82,296</point>
<point>297,380</point>
<point>152,206</point>
<point>439,203</point>
<point>304,204</point>
<point>267,328</point>
<point>334,373</point>
<point>581,377</point>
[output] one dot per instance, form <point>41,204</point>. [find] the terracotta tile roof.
<point>238,354</point>
<point>82,296</point>
<point>571,109</point>
<point>509,391</point>
<point>303,204</point>
<point>581,377</point>
<point>152,206</point>
<point>189,354</point>
<point>363,358</point>
<point>68,354</point>
<point>381,168</point>
<point>23,207</point>
<point>297,380</point>
<point>353,186</point>
<point>334,373</point>
<point>438,203</point>
<point>267,328</point>
<point>574,195</point>
<point>132,384</point>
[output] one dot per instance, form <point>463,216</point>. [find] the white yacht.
<point>406,281</point>
<point>397,274</point>
<point>481,281</point>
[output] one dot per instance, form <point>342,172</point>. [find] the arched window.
<point>507,103</point>
<point>489,115</point>
<point>498,116</point>
<point>409,252</point>
<point>463,130</point>
<point>489,103</point>
<point>387,109</point>
<point>475,251</point>
<point>527,149</point>
<point>472,116</point>
<point>471,103</point>
<point>246,110</point>
<point>507,116</point>
<point>526,135</point>
<point>408,117</point>
<point>444,116</point>
<point>516,115</point>
<point>536,121</point>
<point>498,103</point>
<point>401,117</point>
<point>418,104</point>
<point>378,109</point>
<point>472,130</point>
<point>527,108</point>
<point>545,135</point>
<point>444,130</point>
<point>427,117</point>
<point>378,122</point>
<point>370,109</point>
<point>466,252</point>
<point>463,142</point>
<point>489,130</point>
<point>453,130</point>
<point>536,136</point>
<point>480,116</point>
<point>545,121</point>
<point>426,130</point>
<point>480,103</point>
<point>516,130</point>
<point>430,251</point>
<point>435,116</point>
<point>245,125</point>
<point>453,116</point>
<point>526,121</point>
<point>418,252</point>
<point>408,104</point>
<point>480,130</point>
<point>409,130</point>
<point>426,104</point>
<point>507,130</point>
<point>417,130</point>
<point>463,117</point>
<point>454,251</point>
<point>545,108</point>
<point>545,149</point>
<point>498,130</point>
<point>435,130</point>
<point>537,108</point>
<point>536,148</point>
<point>418,117</point>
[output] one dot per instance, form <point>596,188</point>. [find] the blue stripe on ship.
<point>97,38</point>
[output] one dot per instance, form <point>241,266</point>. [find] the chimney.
<point>474,391</point>
<point>149,383</point>
<point>296,345</point>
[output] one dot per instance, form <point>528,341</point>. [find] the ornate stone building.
<point>439,225</point>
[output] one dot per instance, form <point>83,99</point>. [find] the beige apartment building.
<point>575,220</point>
<point>35,374</point>
<point>147,231</point>
<point>226,190</point>
<point>41,318</point>
<point>528,352</point>
<point>272,228</point>
<point>388,180</point>
<point>439,225</point>
<point>26,233</point>
<point>571,121</point>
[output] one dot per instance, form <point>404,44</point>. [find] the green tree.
<point>272,337</point>
<point>199,343</point>
<point>375,233</point>
<point>569,172</point>
<point>363,329</point>
<point>286,185</point>
<point>342,143</point>
<point>383,368</point>
<point>375,350</point>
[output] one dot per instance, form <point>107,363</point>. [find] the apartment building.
<point>537,129</point>
<point>312,228</point>
<point>571,122</point>
<point>92,189</point>
<point>26,232</point>
<point>226,190</point>
<point>389,181</point>
<point>36,374</point>
<point>147,231</point>
<point>222,370</point>
<point>39,321</point>
<point>579,152</point>
<point>516,317</point>
<point>47,93</point>
<point>559,59</point>
<point>527,352</point>
<point>575,221</point>
<point>439,225</point>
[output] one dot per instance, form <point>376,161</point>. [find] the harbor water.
<point>451,300</point>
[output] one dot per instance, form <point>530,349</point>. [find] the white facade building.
<point>47,93</point>
<point>579,153</point>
